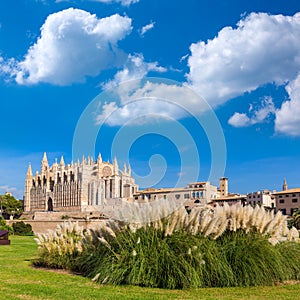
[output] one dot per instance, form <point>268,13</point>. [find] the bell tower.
<point>224,186</point>
<point>284,186</point>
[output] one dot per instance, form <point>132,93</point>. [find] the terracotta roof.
<point>228,198</point>
<point>162,190</point>
<point>290,191</point>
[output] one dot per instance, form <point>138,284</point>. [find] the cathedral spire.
<point>45,164</point>
<point>285,186</point>
<point>45,160</point>
<point>99,159</point>
<point>125,168</point>
<point>29,172</point>
<point>116,167</point>
<point>129,169</point>
<point>62,161</point>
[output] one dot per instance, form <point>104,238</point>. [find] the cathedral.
<point>78,187</point>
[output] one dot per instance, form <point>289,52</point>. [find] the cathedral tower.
<point>28,186</point>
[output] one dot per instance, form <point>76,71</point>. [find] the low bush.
<point>20,228</point>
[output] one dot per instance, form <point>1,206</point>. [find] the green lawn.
<point>18,280</point>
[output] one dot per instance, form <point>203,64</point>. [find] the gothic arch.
<point>50,204</point>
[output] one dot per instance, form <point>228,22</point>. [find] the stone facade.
<point>195,194</point>
<point>288,201</point>
<point>264,198</point>
<point>78,187</point>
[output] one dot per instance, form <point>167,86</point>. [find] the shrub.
<point>20,228</point>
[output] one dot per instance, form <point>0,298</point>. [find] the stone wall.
<point>39,227</point>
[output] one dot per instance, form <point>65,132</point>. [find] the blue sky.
<point>182,90</point>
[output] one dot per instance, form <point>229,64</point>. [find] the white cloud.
<point>239,120</point>
<point>146,28</point>
<point>122,2</point>
<point>7,67</point>
<point>73,44</point>
<point>262,49</point>
<point>259,115</point>
<point>288,116</point>
<point>134,68</point>
<point>149,101</point>
<point>138,112</point>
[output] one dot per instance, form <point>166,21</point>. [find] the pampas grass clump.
<point>210,222</point>
<point>59,248</point>
<point>225,246</point>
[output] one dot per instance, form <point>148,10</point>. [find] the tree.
<point>10,206</point>
<point>296,219</point>
<point>4,226</point>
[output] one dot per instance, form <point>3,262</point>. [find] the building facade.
<point>264,198</point>
<point>195,194</point>
<point>287,201</point>
<point>77,187</point>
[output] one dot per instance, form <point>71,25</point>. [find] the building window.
<point>280,196</point>
<point>283,211</point>
<point>294,195</point>
<point>186,196</point>
<point>177,196</point>
<point>249,197</point>
<point>281,201</point>
<point>287,195</point>
<point>258,196</point>
<point>165,196</point>
<point>295,200</point>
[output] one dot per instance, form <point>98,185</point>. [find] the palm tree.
<point>296,219</point>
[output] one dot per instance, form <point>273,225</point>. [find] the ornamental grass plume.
<point>248,219</point>
<point>58,248</point>
<point>168,217</point>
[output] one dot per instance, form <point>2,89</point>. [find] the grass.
<point>18,280</point>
